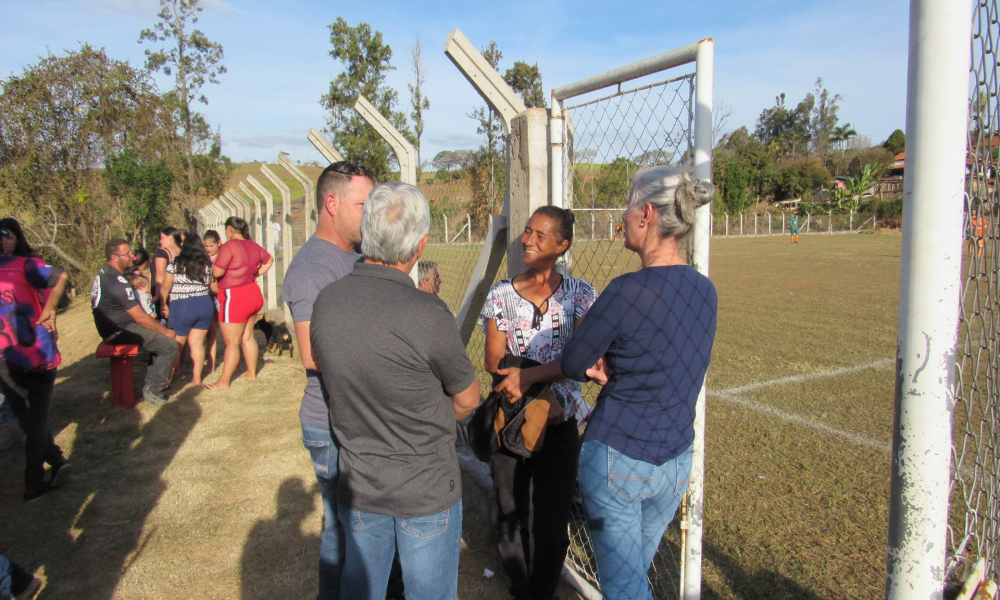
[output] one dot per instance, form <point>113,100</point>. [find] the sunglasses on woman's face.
<point>6,233</point>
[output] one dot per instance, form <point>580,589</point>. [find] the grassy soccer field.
<point>213,494</point>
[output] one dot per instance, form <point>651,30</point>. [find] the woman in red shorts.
<point>239,263</point>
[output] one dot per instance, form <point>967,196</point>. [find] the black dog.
<point>280,339</point>
<point>277,336</point>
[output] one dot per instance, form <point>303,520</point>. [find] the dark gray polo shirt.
<point>390,403</point>
<point>317,264</point>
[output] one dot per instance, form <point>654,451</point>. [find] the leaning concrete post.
<point>506,103</point>
<point>324,147</point>
<point>271,277</point>
<point>310,193</point>
<point>405,154</point>
<point>257,237</point>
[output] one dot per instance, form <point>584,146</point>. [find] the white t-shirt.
<point>277,231</point>
<point>541,336</point>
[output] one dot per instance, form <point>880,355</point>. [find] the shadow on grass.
<point>88,534</point>
<point>751,585</point>
<point>278,560</point>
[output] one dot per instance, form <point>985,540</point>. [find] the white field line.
<point>731,395</point>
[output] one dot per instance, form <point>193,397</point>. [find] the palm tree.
<point>842,133</point>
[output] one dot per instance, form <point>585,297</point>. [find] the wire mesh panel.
<point>610,139</point>
<point>974,530</point>
<point>463,201</point>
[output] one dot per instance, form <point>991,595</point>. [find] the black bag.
<point>483,437</point>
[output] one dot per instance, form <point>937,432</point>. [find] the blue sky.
<point>276,53</point>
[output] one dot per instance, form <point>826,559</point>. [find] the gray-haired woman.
<point>654,330</point>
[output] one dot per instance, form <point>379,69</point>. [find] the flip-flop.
<point>210,387</point>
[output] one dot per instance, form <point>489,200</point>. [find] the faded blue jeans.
<point>428,546</point>
<point>324,451</point>
<point>628,504</point>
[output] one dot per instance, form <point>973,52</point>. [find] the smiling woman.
<point>533,315</point>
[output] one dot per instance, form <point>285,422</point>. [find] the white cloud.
<point>294,139</point>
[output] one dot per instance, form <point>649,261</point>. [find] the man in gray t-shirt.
<point>327,256</point>
<point>394,399</point>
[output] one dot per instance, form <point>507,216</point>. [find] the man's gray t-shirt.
<point>390,396</point>
<point>317,264</point>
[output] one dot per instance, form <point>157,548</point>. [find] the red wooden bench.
<point>122,385</point>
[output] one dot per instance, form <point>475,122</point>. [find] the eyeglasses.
<point>6,233</point>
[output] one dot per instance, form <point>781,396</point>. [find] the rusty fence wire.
<point>974,527</point>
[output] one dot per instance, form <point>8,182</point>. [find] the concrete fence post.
<point>528,183</point>
<point>309,190</point>
<point>507,104</point>
<point>271,277</point>
<point>324,147</point>
<point>406,155</point>
<point>257,224</point>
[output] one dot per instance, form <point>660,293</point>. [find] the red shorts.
<point>239,304</point>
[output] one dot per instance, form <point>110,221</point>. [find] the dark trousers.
<point>552,472</point>
<point>161,349</point>
<point>29,393</point>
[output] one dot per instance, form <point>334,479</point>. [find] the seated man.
<point>398,377</point>
<point>428,277</point>
<point>120,319</point>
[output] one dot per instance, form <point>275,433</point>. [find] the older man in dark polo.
<point>398,377</point>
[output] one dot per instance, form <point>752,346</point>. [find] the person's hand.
<point>556,413</point>
<point>598,373</point>
<point>166,311</point>
<point>47,319</point>
<point>513,385</point>
<point>171,334</point>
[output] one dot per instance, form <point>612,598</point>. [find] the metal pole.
<point>768,223</point>
<point>704,80</point>
<point>727,224</point>
<point>755,230</point>
<point>852,220</point>
<point>556,152</point>
<point>929,294</point>
<point>808,218</point>
<point>782,223</point>
<point>741,223</point>
<point>831,221</point>
<point>447,239</point>
<point>468,226</point>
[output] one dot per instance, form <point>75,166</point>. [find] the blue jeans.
<point>628,504</point>
<point>428,546</point>
<point>13,579</point>
<point>324,451</point>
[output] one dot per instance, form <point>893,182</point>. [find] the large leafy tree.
<point>60,120</point>
<point>142,188</point>
<point>366,60</point>
<point>194,61</point>
<point>806,128</point>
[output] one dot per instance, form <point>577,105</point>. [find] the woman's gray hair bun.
<point>675,194</point>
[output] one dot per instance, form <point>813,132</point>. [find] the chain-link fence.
<point>463,202</point>
<point>609,139</point>
<point>752,223</point>
<point>974,530</point>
